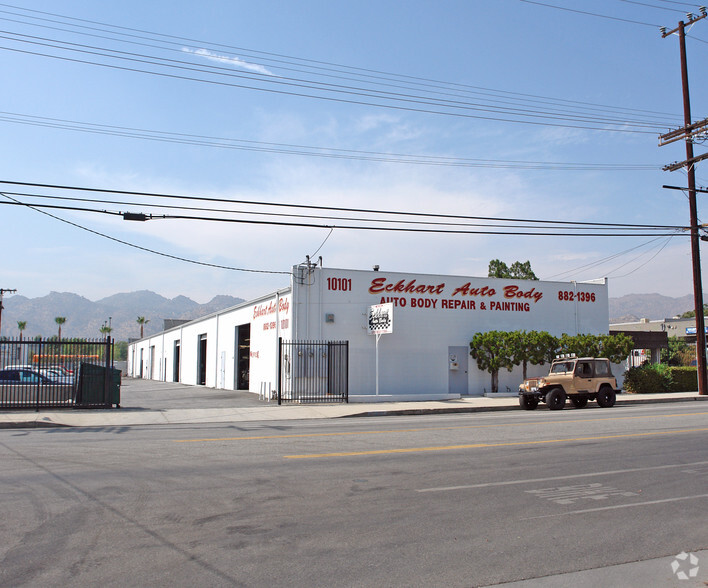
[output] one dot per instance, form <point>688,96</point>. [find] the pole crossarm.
<point>691,19</point>
<point>683,132</point>
<point>686,163</point>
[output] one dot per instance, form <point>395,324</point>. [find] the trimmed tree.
<point>494,350</point>
<point>21,325</point>
<point>616,348</point>
<point>535,348</point>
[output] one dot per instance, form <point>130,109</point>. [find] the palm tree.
<point>21,325</point>
<point>60,320</point>
<point>105,330</point>
<point>142,321</point>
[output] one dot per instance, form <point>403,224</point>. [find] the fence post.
<point>280,370</point>
<point>107,374</point>
<point>346,371</point>
<point>39,366</point>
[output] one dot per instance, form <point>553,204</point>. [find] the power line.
<point>654,6</point>
<point>515,232</point>
<point>646,24</point>
<point>177,44</point>
<point>148,250</point>
<point>334,92</point>
<point>308,150</point>
<point>639,266</point>
<point>279,205</point>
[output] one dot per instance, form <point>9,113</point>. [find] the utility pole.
<point>2,293</point>
<point>688,131</point>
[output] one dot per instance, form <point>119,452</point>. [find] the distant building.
<point>653,335</point>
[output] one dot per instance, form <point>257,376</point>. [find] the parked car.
<point>27,385</point>
<point>578,378</point>
<point>56,373</point>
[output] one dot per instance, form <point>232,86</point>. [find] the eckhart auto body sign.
<point>464,297</point>
<point>475,296</point>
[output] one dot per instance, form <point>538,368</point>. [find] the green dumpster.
<point>93,390</point>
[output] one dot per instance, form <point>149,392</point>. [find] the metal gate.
<point>313,371</point>
<point>58,374</point>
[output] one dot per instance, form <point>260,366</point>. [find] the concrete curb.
<point>114,418</point>
<point>463,409</point>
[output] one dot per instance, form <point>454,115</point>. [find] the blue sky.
<point>583,98</point>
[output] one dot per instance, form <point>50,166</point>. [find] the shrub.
<point>684,379</point>
<point>648,379</point>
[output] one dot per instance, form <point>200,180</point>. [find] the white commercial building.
<point>425,356</point>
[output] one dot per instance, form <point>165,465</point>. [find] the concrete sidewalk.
<point>147,402</point>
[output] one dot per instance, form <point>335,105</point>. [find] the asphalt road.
<point>436,500</point>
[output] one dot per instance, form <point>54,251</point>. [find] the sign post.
<point>380,322</point>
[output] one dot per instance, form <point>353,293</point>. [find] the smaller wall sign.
<point>380,319</point>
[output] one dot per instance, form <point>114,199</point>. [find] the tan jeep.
<point>578,378</point>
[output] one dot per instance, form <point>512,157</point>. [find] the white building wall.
<point>269,318</point>
<point>431,314</point>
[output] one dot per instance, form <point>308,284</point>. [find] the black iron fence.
<point>313,371</point>
<point>58,374</point>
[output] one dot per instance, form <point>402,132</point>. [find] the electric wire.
<point>600,262</point>
<point>516,225</point>
<point>536,233</point>
<point>586,13</point>
<point>639,266</point>
<point>396,101</point>
<point>308,150</point>
<point>147,249</point>
<point>317,65</point>
<point>565,224</point>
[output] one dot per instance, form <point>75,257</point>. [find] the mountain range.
<point>84,318</point>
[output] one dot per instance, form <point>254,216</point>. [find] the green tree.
<point>518,270</point>
<point>105,330</point>
<point>692,313</point>
<point>679,353</point>
<point>535,348</point>
<point>60,320</point>
<point>142,321</point>
<point>616,348</point>
<point>21,325</point>
<point>494,350</point>
<point>120,350</point>
<point>582,345</point>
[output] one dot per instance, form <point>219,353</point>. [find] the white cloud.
<point>235,61</point>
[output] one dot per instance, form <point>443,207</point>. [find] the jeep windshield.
<point>562,367</point>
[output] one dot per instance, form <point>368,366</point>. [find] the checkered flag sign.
<point>381,319</point>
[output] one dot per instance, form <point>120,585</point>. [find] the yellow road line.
<point>424,429</point>
<point>481,445</point>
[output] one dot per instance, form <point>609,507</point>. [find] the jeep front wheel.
<point>579,401</point>
<point>555,399</point>
<point>528,402</point>
<point>606,397</point>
